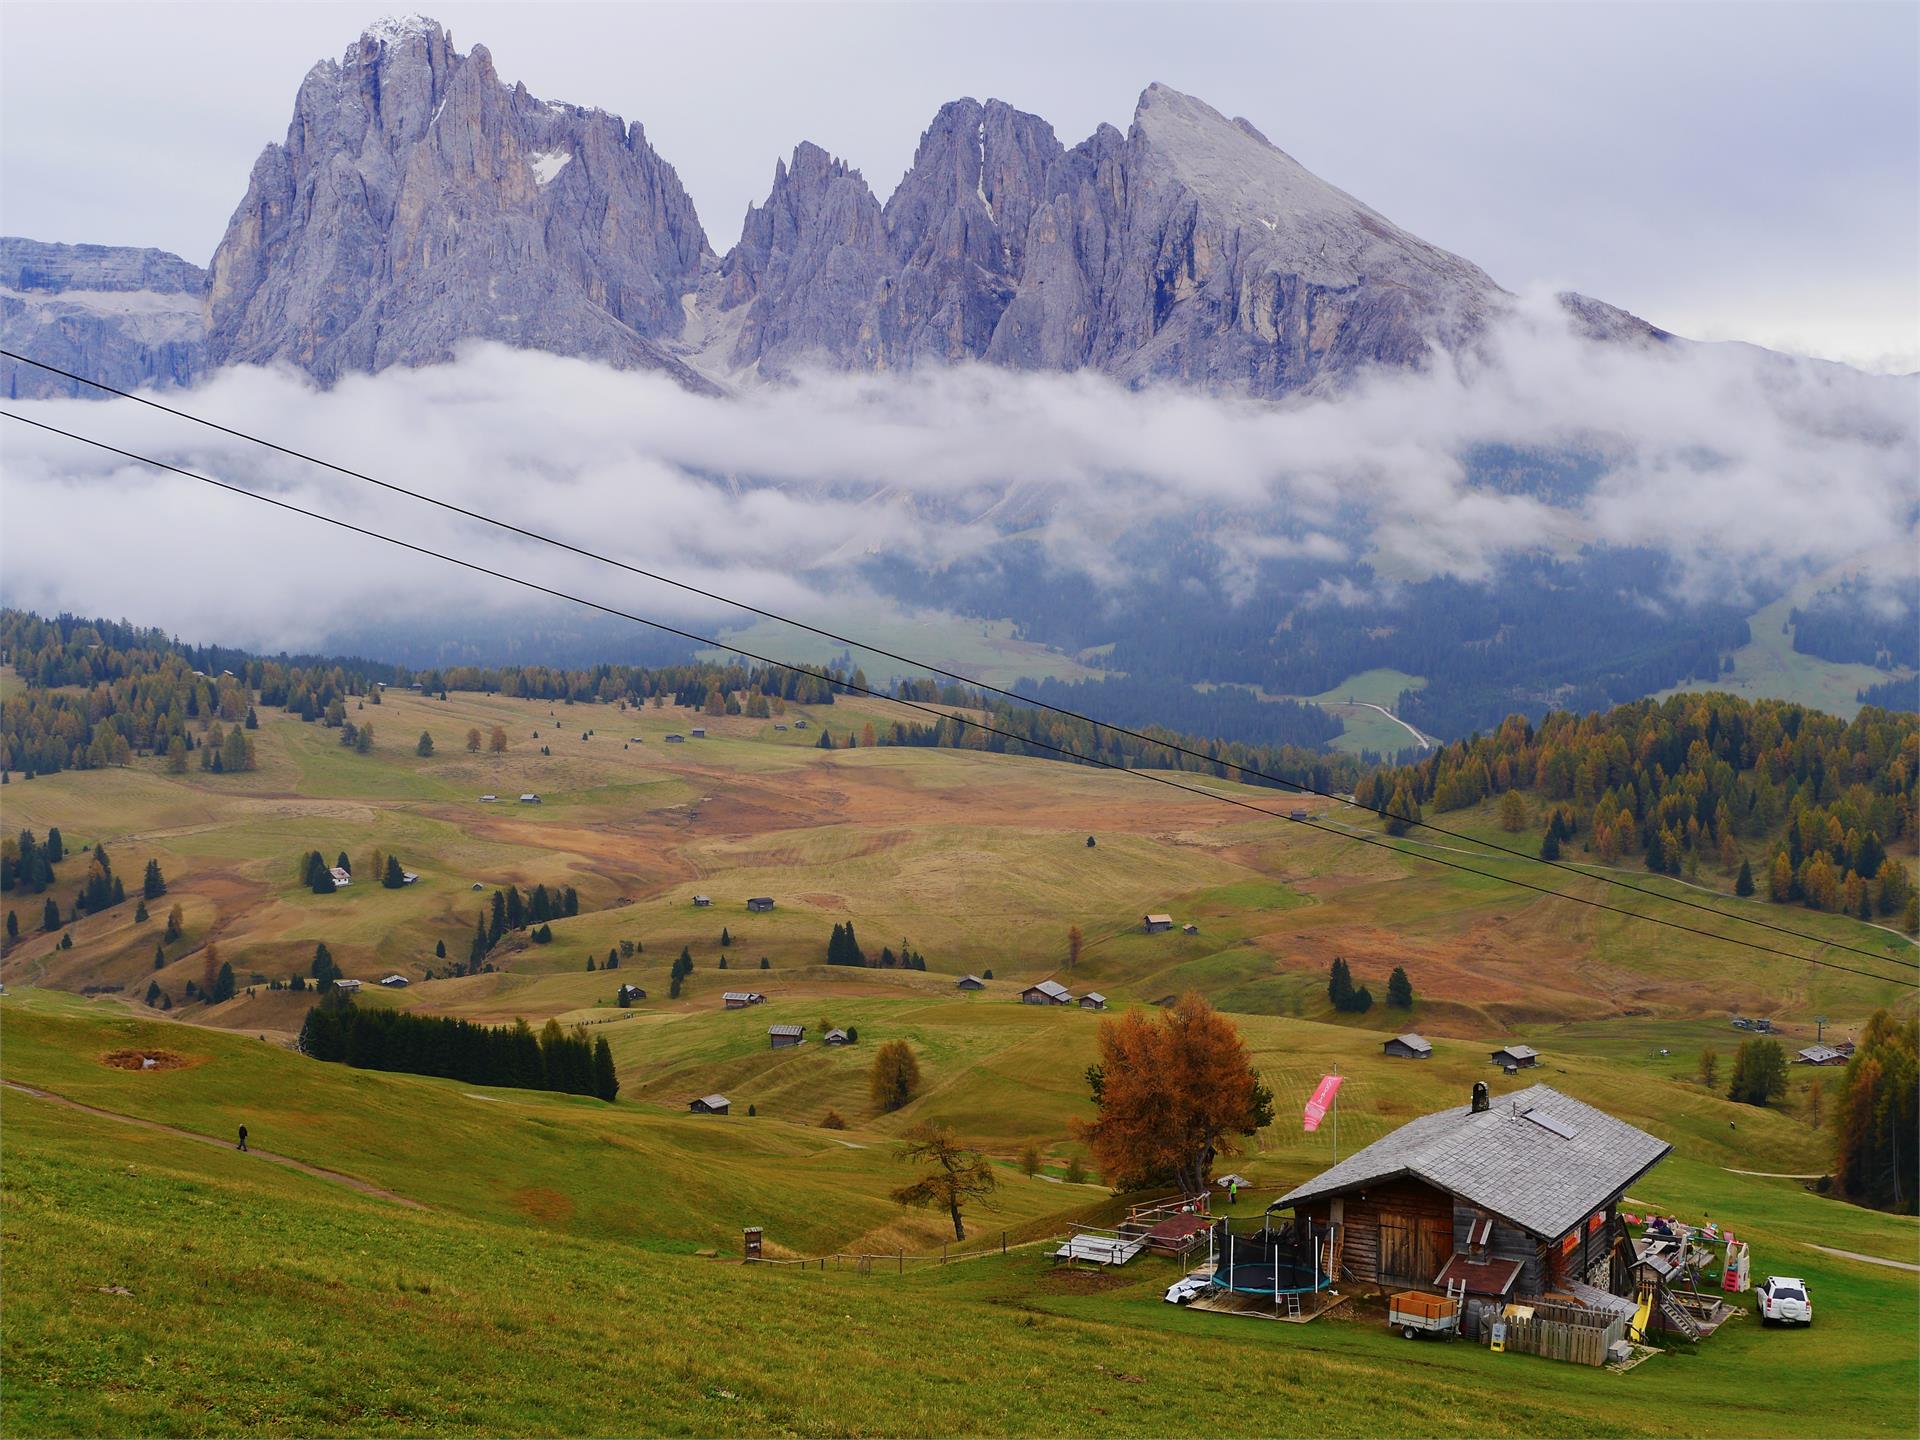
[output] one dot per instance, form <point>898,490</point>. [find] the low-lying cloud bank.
<point>1752,469</point>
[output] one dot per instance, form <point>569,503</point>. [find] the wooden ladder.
<point>1457,1297</point>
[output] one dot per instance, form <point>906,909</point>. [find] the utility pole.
<point>1819,1028</point>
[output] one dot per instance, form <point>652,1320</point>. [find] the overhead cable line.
<point>981,725</point>
<point>1032,702</point>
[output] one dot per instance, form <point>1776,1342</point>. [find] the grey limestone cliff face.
<point>127,317</point>
<point>418,201</point>
<point>1189,249</point>
<point>809,266</point>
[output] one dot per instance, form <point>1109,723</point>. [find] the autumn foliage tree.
<point>895,1076</point>
<point>1174,1094</point>
<point>956,1176</point>
<point>1876,1130</point>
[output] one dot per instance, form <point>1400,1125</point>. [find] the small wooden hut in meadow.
<point>969,982</point>
<point>1154,924</point>
<point>1408,1047</point>
<point>1093,1000</point>
<point>700,902</point>
<point>699,732</point>
<point>1821,1055</point>
<point>1509,1197</point>
<point>782,1037</point>
<point>529,799</point>
<point>709,1105</point>
<point>760,904</point>
<point>836,1036</point>
<point>741,999</point>
<point>1516,1057</point>
<point>1047,992</point>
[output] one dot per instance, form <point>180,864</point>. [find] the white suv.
<point>1784,1298</point>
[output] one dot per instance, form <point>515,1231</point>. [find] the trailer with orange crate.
<point>1415,1313</point>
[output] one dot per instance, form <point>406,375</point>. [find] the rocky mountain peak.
<point>418,201</point>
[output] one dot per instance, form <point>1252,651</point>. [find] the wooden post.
<point>901,1267</point>
<point>1003,1242</point>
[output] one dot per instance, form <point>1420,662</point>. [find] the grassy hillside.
<point>258,1300</point>
<point>980,861</point>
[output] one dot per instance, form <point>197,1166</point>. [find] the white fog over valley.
<point>1749,468</point>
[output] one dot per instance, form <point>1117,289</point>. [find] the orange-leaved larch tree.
<point>1174,1094</point>
<point>956,1175</point>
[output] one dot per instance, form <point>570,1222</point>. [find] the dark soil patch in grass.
<point>543,1204</point>
<point>1069,1281</point>
<point>147,1060</point>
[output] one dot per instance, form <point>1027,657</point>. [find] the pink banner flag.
<point>1321,1102</point>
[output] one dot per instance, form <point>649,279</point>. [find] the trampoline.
<point>1289,1259</point>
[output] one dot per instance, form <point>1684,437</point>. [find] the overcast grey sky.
<point>1726,170</point>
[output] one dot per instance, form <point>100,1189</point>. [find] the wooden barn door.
<point>1413,1247</point>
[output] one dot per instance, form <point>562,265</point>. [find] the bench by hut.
<point>1507,1198</point>
<point>1408,1047</point>
<point>709,1105</point>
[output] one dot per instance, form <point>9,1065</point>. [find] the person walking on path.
<point>243,1138</point>
<point>1233,1189</point>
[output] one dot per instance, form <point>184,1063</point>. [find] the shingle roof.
<point>1518,1052</point>
<point>1507,1159</point>
<point>1051,988</point>
<point>786,1029</point>
<point>1095,996</point>
<point>713,1101</point>
<point>1814,1054</point>
<point>1414,1042</point>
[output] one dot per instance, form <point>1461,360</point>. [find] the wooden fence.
<point>1565,1332</point>
<point>893,1262</point>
